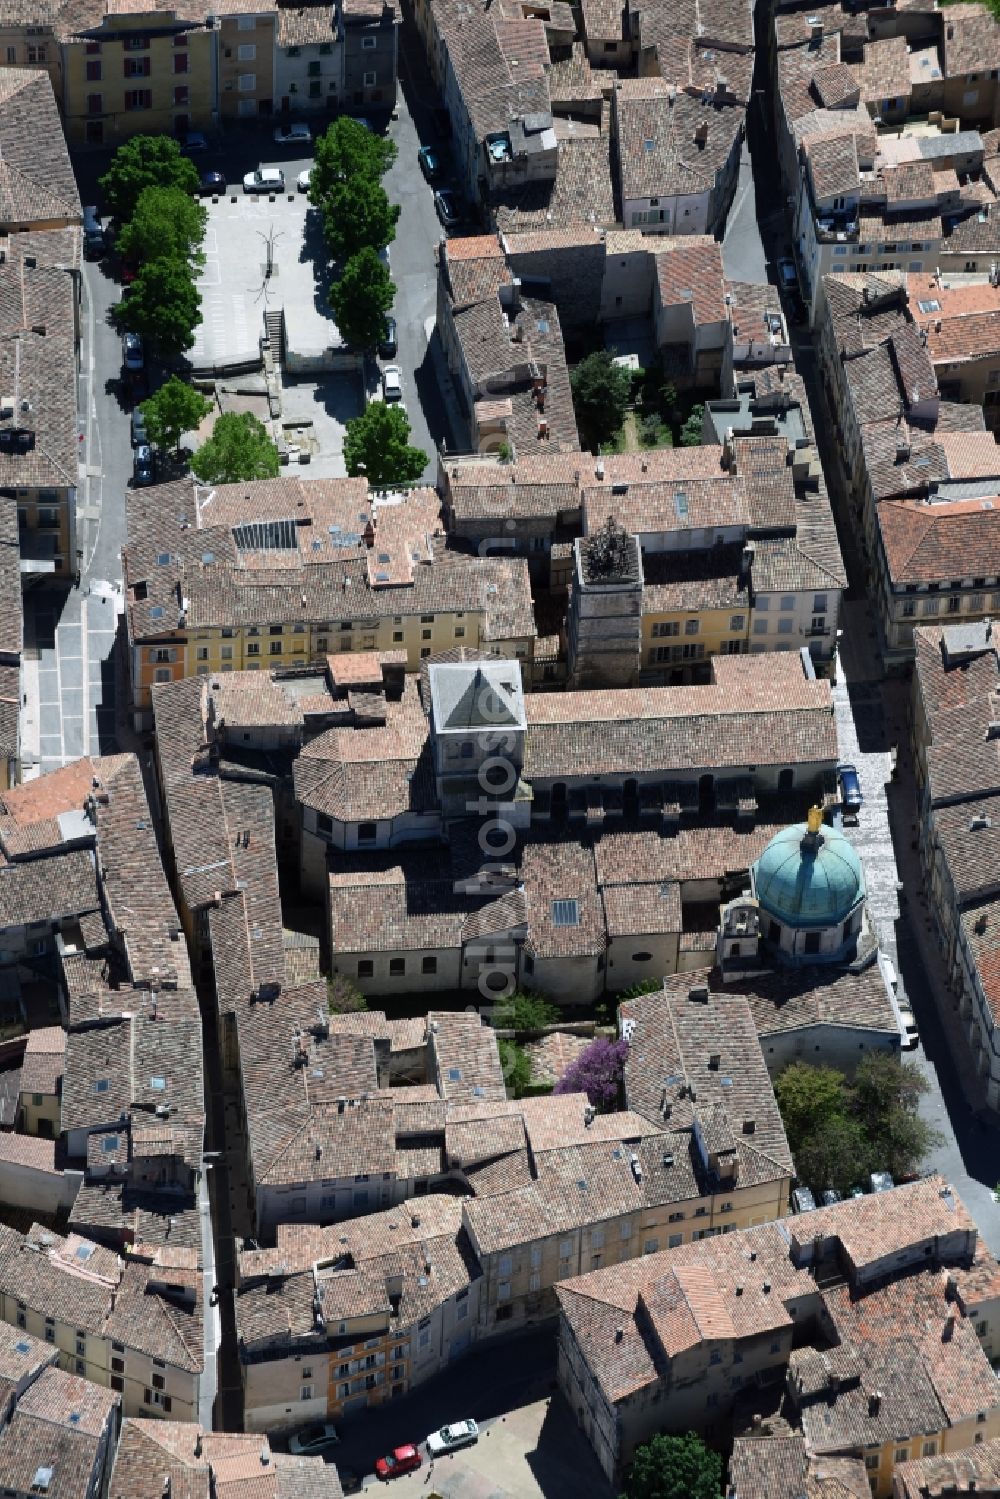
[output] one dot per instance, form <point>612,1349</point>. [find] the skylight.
<point>102,1085</point>
<point>110,1144</point>
<point>565,913</point>
<point>681,504</point>
<point>158,1084</point>
<point>931,305</point>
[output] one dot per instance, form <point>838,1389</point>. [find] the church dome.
<point>809,877</point>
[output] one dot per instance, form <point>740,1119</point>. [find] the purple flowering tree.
<point>598,1072</point>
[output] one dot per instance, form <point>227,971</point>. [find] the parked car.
<point>313,1439</point>
<point>787,274</point>
<point>451,1438</point>
<point>430,163</point>
<point>392,383</point>
<point>881,1181</point>
<point>803,1200</point>
<point>401,1460</point>
<point>94,242</point>
<point>447,207</point>
<point>850,786</point>
<point>133,355</point>
<point>387,348</point>
<point>264,180</point>
<point>293,135</point>
<point>139,437</point>
<point>213,184</point>
<point>856,1192</point>
<point>194,141</point>
<point>142,465</point>
<point>829,1198</point>
<point>303,180</point>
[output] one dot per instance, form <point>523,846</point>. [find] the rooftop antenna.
<point>270,240</point>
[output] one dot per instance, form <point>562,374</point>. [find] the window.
<point>117,1383</point>
<point>397,636</point>
<point>565,1249</point>
<point>94,72</point>
<point>982,1328</point>
<point>871,1460</point>
<point>691,626</point>
<point>247,82</point>
<point>307,1392</point>
<point>397,966</point>
<point>760,625</point>
<point>138,98</point>
<point>157,1381</point>
<point>247,23</point>
<point>674,1240</point>
<point>425,634</point>
<point>931,606</point>
<point>11,56</point>
<point>651,1246</point>
<point>180,62</point>
<point>368,43</point>
<point>246,52</point>
<point>929,1449</point>
<point>715,1357</point>
<point>429,964</point>
<point>275,647</point>
<point>36,52</point>
<point>136,67</point>
<point>787,602</point>
<point>369,80</point>
<point>367,832</point>
<point>597,1238</point>
<point>786,626</point>
<point>909,608</point>
<point>954,604</point>
<point>666,627</point>
<point>181,95</point>
<point>161,674</point>
<point>738,622</point>
<point>366,968</point>
<point>503,1294</point>
<point>901,1455</point>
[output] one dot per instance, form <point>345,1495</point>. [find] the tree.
<point>361,299</point>
<point>342,997</point>
<point>524,1012</point>
<point>375,444</point>
<point>239,448</point>
<point>838,1154</point>
<point>166,223</point>
<point>357,215</point>
<point>637,990</point>
<point>600,396</point>
<point>175,408</point>
<point>691,430</point>
<point>674,1467</point>
<point>886,1098</point>
<point>146,161</point>
<point>809,1097</point>
<point>598,1071</point>
<point>164,305</point>
<point>515,1065</point>
<point>348,150</point>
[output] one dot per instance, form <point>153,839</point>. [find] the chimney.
<point>713,1061</point>
<point>874,1402</point>
<point>197,1444</point>
<point>746,560</point>
<point>948,1331</point>
<point>816,32</point>
<point>619,1334</point>
<point>701,133</point>
<point>749,1125</point>
<point>166,1486</point>
<point>588,1116</point>
<point>698,994</point>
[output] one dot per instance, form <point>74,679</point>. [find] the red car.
<point>402,1460</point>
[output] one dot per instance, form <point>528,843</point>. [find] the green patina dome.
<point>809,880</point>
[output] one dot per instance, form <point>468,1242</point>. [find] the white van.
<point>93,234</point>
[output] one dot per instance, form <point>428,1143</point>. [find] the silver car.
<point>450,1438</point>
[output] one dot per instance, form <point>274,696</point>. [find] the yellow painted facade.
<point>677,639</point>
<point>246,65</point>
<point>30,46</point>
<point>881,1461</point>
<point>268,647</point>
<point>139,73</point>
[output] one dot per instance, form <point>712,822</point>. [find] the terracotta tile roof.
<point>581,193</point>
<point>885,72</point>
<point>779,1467</point>
<point>833,164</point>
<point>933,542</point>
<point>62,886</point>
<point>633,857</point>
<point>753,713</point>
<point>564,913</point>
<point>712,1047</point>
<point>971,41</point>
<point>658,154</point>
<point>971,1469</point>
<point>43,1060</point>
<point>36,178</point>
<point>689,269</point>
<point>836,86</point>
<point>31,1151</point>
<point>786,1000</point>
